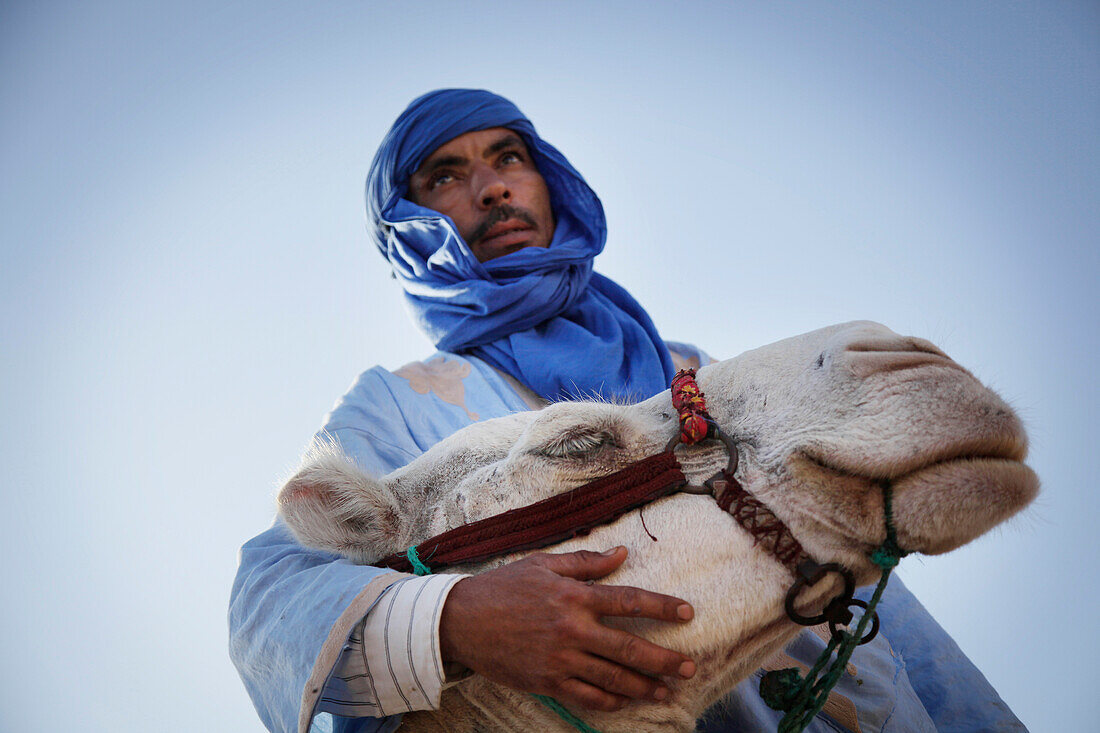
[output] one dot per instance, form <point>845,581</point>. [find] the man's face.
<point>489,186</point>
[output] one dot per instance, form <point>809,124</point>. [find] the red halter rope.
<point>552,520</point>
<point>577,512</point>
<point>602,501</point>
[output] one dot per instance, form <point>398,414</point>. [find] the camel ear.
<point>329,504</point>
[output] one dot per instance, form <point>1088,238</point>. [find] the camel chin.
<point>942,507</point>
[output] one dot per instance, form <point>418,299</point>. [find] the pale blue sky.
<point>187,287</point>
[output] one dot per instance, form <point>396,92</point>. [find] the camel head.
<point>819,420</point>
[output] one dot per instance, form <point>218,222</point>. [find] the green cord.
<point>418,567</point>
<point>803,698</point>
<point>564,714</point>
<point>811,696</point>
<point>421,569</point>
<point>889,553</point>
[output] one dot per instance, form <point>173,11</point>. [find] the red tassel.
<point>691,404</point>
<point>693,429</point>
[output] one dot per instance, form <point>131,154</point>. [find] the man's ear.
<point>329,504</point>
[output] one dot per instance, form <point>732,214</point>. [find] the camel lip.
<point>1007,451</point>
<point>961,462</point>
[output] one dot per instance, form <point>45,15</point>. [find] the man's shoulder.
<point>443,374</point>
<point>441,368</point>
<point>387,418</point>
<point>687,356</point>
<point>454,383</point>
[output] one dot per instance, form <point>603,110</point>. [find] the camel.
<point>819,420</point>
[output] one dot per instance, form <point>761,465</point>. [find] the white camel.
<point>819,419</point>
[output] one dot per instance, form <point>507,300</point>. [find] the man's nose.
<point>491,188</point>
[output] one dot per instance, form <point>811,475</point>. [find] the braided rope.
<point>766,528</point>
<point>811,695</point>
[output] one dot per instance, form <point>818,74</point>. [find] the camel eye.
<point>577,443</point>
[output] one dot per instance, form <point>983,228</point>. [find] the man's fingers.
<point>583,564</point>
<point>621,600</point>
<point>637,653</point>
<point>577,693</point>
<point>619,680</point>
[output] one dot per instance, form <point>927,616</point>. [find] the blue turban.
<point>539,314</point>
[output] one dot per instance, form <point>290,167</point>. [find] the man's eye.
<point>510,158</point>
<point>439,179</point>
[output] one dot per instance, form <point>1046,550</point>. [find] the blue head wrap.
<point>540,314</point>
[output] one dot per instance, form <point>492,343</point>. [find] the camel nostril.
<point>873,354</point>
<point>897,344</point>
<point>864,363</point>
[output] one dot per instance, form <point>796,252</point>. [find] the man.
<point>491,233</point>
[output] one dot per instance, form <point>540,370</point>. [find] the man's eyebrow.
<point>445,161</point>
<point>509,141</point>
<point>441,162</point>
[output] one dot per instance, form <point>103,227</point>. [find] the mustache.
<point>496,215</point>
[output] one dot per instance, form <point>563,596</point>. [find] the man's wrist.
<point>450,625</point>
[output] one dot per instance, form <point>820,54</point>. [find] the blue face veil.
<point>540,314</point>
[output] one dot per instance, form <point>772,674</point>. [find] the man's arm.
<point>291,610</point>
<point>392,662</point>
<point>532,625</point>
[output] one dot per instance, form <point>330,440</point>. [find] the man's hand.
<point>535,626</point>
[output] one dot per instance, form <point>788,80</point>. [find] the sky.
<point>187,285</point>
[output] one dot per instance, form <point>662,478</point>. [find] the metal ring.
<point>731,448</point>
<point>715,432</point>
<point>809,573</point>
<point>874,623</point>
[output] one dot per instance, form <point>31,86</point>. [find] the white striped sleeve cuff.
<point>391,663</point>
